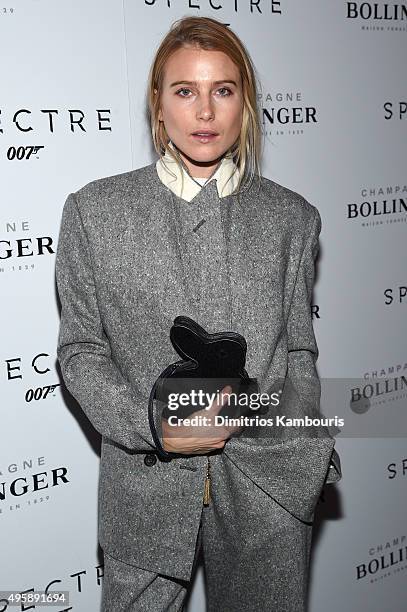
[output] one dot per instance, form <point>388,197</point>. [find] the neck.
<point>192,168</point>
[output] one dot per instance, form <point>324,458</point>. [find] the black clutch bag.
<point>209,362</point>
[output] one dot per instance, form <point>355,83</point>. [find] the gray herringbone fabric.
<point>131,257</point>
<point>126,588</point>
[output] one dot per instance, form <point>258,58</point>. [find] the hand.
<point>206,437</point>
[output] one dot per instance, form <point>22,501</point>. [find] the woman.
<point>198,233</point>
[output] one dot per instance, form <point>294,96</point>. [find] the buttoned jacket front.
<point>131,257</point>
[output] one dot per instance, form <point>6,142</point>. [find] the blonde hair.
<point>209,34</point>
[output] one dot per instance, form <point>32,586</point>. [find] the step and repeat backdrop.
<point>333,97</point>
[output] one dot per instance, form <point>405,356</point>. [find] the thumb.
<point>220,400</point>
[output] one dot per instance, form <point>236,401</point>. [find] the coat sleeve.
<point>302,347</point>
<point>115,407</point>
<point>293,467</point>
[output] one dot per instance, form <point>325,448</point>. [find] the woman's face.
<point>201,91</point>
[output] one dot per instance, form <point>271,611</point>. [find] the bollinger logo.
<point>379,205</point>
<point>27,483</point>
<point>390,555</point>
<point>287,110</point>
<point>34,482</point>
<point>26,247</point>
<point>376,11</point>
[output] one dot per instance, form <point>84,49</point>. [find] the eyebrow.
<point>196,83</point>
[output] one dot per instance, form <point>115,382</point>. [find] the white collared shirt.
<point>227,168</point>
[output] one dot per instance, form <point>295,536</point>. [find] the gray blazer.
<point>131,257</point>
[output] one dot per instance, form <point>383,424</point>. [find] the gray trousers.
<point>127,588</point>
<point>257,567</point>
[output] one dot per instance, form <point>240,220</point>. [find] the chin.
<point>204,153</point>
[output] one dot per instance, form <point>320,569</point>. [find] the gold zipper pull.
<point>207,488</point>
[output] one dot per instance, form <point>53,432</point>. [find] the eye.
<point>226,89</point>
<point>228,92</point>
<point>182,89</point>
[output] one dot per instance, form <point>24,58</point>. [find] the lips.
<point>204,133</point>
<point>204,137</point>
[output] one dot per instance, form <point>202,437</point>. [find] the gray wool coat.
<point>132,256</point>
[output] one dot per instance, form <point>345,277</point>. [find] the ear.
<point>186,342</point>
<point>160,115</point>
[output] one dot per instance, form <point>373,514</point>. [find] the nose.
<point>206,109</point>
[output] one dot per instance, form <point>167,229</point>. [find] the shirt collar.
<point>166,167</point>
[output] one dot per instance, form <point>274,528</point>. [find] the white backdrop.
<point>72,109</point>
